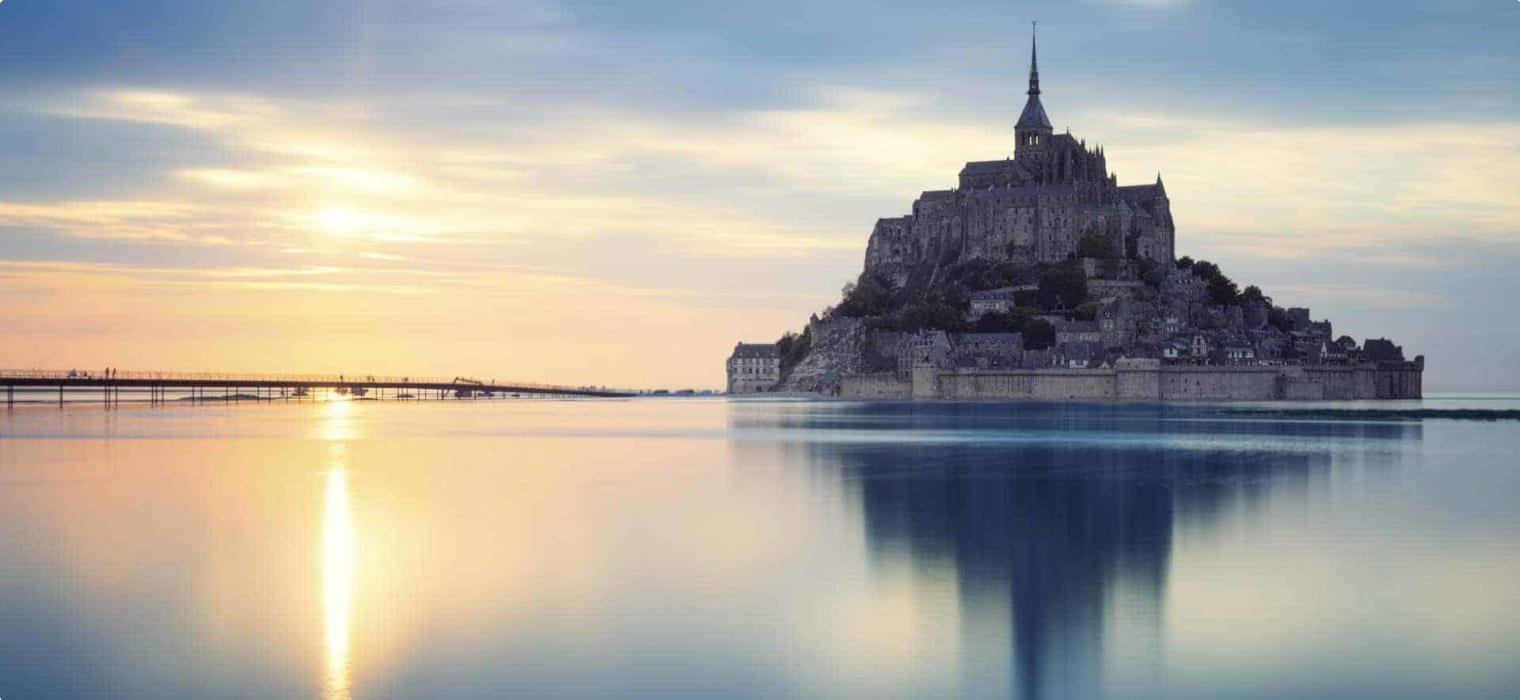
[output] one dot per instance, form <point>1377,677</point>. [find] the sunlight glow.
<point>337,578</point>
<point>340,221</point>
<point>337,426</point>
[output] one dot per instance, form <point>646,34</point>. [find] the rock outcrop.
<point>838,346</point>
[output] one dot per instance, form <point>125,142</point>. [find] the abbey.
<point>1035,207</point>
<point>1040,278</point>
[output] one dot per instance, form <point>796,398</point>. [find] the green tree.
<point>1205,270</point>
<point>1223,291</point>
<point>922,316</point>
<point>1087,311</point>
<point>793,347</point>
<point>1094,244</point>
<point>1002,321</point>
<point>868,296</point>
<point>1184,262</point>
<point>1039,334</point>
<point>1278,318</point>
<point>1063,286</point>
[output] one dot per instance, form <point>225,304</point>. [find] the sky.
<point>615,193</point>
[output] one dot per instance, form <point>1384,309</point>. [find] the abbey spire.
<point>1033,129</point>
<point>1034,61</point>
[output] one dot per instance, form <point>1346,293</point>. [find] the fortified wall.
<point>1146,380</point>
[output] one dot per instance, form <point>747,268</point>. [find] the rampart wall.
<point>1141,381</point>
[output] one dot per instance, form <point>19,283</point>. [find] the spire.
<point>1033,124</point>
<point>1034,59</point>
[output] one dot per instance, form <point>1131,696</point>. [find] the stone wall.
<point>1146,381</point>
<point>1220,383</point>
<point>880,385</point>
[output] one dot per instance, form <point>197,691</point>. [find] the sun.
<point>340,221</point>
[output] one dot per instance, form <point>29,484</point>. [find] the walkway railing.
<point>159,381</point>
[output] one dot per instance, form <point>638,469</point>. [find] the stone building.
<point>1078,332</point>
<point>1000,300</point>
<point>988,350</point>
<point>932,347</point>
<point>753,367</point>
<point>1035,207</point>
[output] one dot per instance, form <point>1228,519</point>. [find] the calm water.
<point>705,548</point>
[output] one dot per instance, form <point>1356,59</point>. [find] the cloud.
<point>1295,192</point>
<point>746,219</point>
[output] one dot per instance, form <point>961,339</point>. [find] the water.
<point>705,548</point>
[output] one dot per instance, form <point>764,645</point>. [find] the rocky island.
<point>1041,277</point>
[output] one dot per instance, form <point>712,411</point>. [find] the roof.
<point>746,351</point>
<point>937,194</point>
<point>1076,326</point>
<point>1026,191</point>
<point>1138,193</point>
<point>989,338</point>
<point>1381,349</point>
<point>1086,349</point>
<point>998,294</point>
<point>1034,115</point>
<point>1065,140</point>
<point>985,167</point>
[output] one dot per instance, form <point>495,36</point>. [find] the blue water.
<point>712,548</point>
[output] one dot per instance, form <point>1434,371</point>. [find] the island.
<point>1041,277</point>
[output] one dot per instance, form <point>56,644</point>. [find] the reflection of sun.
<point>337,578</point>
<point>338,425</point>
<point>337,550</point>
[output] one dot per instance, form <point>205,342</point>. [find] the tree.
<point>1253,293</point>
<point>1095,245</point>
<point>1087,311</point>
<point>1012,321</point>
<point>1063,286</point>
<point>793,347</point>
<point>994,322</point>
<point>929,316</point>
<point>1039,334</point>
<point>869,296</point>
<point>1223,291</point>
<point>1205,270</point>
<point>1278,318</point>
<point>1184,262</point>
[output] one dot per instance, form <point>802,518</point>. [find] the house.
<point>1298,318</point>
<point>1198,346</point>
<point>1121,321</point>
<point>991,301</point>
<point>753,367</point>
<point>1176,349</point>
<point>988,349</point>
<point>1239,354</point>
<point>1078,332</point>
<point>932,347</point>
<point>1077,355</point>
<point>1382,350</point>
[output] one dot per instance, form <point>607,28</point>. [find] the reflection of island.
<point>1048,525</point>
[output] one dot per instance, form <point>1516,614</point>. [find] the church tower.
<point>1033,130</point>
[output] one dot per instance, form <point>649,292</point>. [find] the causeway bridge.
<point>109,387</point>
